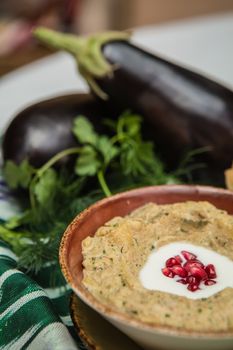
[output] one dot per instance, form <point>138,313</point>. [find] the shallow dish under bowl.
<point>95,332</point>
<point>86,224</point>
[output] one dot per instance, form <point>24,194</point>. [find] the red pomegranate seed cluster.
<point>191,270</point>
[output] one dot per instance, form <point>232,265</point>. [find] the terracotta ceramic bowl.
<point>85,224</point>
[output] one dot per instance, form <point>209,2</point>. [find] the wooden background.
<point>96,15</point>
<point>121,14</point>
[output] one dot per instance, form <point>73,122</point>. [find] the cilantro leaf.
<point>130,124</point>
<point>107,149</point>
<point>87,163</point>
<point>137,157</point>
<point>131,159</point>
<point>84,131</point>
<point>10,172</point>
<point>45,186</point>
<point>18,175</point>
<point>25,173</point>
<point>18,220</point>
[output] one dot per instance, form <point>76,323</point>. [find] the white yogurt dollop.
<point>152,278</point>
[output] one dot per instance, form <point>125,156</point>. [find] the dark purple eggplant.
<point>43,129</point>
<point>185,109</point>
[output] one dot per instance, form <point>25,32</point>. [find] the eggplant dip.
<point>169,265</point>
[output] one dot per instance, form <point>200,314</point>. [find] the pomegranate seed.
<point>167,272</point>
<point>193,287</point>
<point>193,280</point>
<point>198,272</point>
<point>179,270</point>
<point>178,259</point>
<point>171,262</point>
<point>210,270</point>
<point>209,282</point>
<point>192,271</point>
<point>188,255</point>
<point>182,280</point>
<point>189,264</point>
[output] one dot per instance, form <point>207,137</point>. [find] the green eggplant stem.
<point>87,52</point>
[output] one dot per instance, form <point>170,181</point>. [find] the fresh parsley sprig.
<point>96,154</point>
<point>115,162</point>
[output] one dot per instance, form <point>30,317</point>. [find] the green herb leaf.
<point>87,163</point>
<point>45,187</point>
<point>84,131</point>
<point>10,172</point>
<point>18,175</point>
<point>107,149</point>
<point>137,158</point>
<point>25,173</point>
<point>130,124</point>
<point>18,220</point>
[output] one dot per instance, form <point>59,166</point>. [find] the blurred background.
<point>17,18</point>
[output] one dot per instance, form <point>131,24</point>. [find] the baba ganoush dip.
<point>115,257</point>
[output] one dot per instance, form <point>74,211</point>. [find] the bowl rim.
<point>107,311</point>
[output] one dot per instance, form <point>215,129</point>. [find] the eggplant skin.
<point>43,129</point>
<point>185,110</point>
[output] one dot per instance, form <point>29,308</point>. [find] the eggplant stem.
<point>87,51</point>
<point>60,41</point>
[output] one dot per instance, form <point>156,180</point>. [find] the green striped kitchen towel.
<point>33,315</point>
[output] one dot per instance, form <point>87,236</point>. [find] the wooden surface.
<point>10,62</point>
<point>120,14</point>
<point>133,13</point>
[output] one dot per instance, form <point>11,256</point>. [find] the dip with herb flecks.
<point>122,270</point>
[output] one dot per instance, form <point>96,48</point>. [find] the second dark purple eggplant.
<point>185,109</point>
<point>45,128</point>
